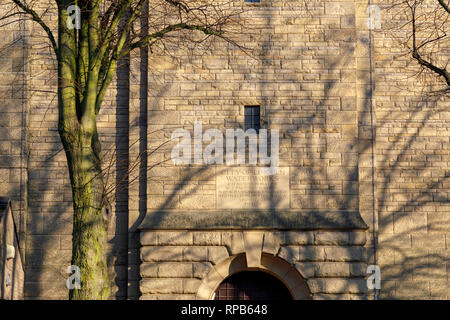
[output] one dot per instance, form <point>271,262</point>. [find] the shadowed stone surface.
<point>253,219</point>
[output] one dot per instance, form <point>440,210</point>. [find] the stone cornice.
<point>252,219</point>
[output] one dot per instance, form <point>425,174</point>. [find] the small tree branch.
<point>416,55</point>
<point>178,4</point>
<point>160,34</point>
<point>38,19</point>
<point>119,11</point>
<point>444,5</point>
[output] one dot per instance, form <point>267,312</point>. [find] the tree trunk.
<point>90,224</point>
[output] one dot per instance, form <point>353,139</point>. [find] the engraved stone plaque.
<point>246,188</point>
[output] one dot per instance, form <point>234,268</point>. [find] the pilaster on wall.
<point>138,156</point>
<point>366,123</point>
<point>137,193</point>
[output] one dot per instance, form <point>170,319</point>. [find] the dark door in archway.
<point>252,285</point>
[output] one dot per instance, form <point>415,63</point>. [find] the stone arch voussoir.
<point>276,266</point>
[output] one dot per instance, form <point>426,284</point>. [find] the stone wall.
<point>317,80</point>
<point>191,264</point>
<point>48,243</point>
<point>13,120</point>
<point>412,171</point>
<point>303,72</point>
<point>330,85</point>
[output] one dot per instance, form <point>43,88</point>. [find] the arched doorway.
<point>286,275</point>
<point>252,285</point>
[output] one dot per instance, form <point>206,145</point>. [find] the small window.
<point>251,1</point>
<point>252,117</point>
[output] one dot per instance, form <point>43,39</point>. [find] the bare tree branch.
<point>415,48</point>
<point>444,5</point>
<point>160,34</point>
<point>36,18</point>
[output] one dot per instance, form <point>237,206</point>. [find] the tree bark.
<point>90,224</point>
<point>78,131</point>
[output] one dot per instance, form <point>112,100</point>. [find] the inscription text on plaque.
<point>245,188</point>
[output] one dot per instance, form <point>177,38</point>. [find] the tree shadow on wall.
<point>330,161</point>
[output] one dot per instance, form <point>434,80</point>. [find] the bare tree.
<point>427,25</point>
<point>91,37</point>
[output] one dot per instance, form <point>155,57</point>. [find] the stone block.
<point>289,253</point>
<point>340,8</point>
<point>170,238</point>
<point>344,254</point>
<point>207,238</point>
<point>406,222</point>
<point>253,247</point>
<point>191,285</point>
<point>348,35</point>
<point>331,238</point>
<point>195,254</point>
<point>429,240</point>
<point>333,285</point>
<point>201,269</point>
<point>412,288</point>
<point>306,269</point>
<point>439,221</point>
<point>298,238</point>
<point>332,269</point>
<point>439,288</point>
<point>168,253</point>
<point>217,254</point>
<point>311,253</point>
<point>175,270</point>
<point>271,243</point>
<point>394,240</point>
<point>155,286</point>
<point>149,238</point>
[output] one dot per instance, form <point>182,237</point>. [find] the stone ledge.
<point>252,219</point>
